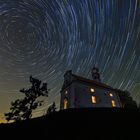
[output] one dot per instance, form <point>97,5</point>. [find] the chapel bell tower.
<point>95,74</point>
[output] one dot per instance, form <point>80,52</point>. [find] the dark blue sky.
<point>47,37</point>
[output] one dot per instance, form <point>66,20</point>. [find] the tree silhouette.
<point>52,108</point>
<point>21,109</point>
<point>126,100</point>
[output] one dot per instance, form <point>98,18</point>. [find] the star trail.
<point>44,38</point>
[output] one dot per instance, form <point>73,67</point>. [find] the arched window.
<point>65,103</point>
<point>93,99</point>
<point>113,103</point>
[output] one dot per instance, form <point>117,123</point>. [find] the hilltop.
<point>78,122</point>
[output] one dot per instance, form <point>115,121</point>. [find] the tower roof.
<point>93,82</point>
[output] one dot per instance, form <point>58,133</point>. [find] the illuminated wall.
<point>80,96</point>
<point>87,95</point>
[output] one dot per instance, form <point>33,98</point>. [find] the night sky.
<point>44,38</point>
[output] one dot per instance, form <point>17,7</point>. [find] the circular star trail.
<point>44,38</point>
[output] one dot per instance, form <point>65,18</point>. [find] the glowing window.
<point>110,94</point>
<point>93,99</point>
<point>92,90</point>
<point>65,103</point>
<point>66,92</point>
<point>113,103</point>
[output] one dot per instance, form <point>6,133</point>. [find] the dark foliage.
<point>51,108</point>
<point>21,109</point>
<point>126,100</point>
